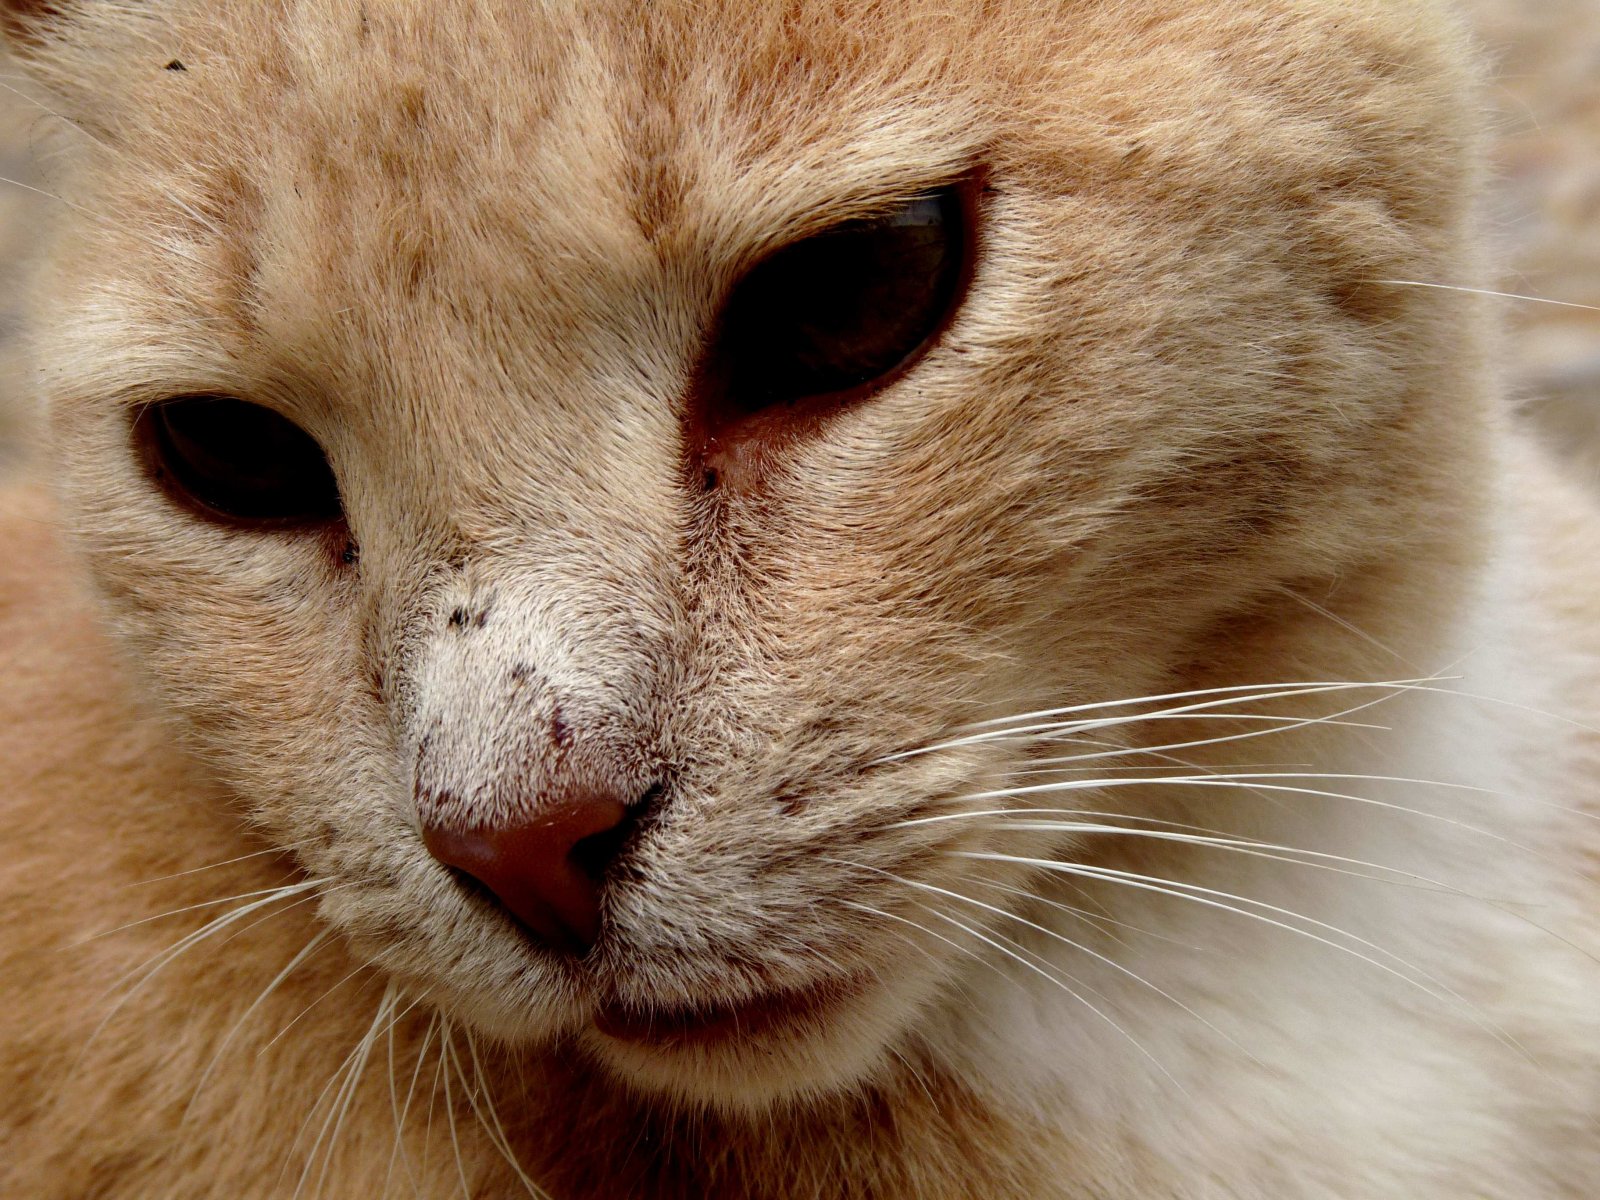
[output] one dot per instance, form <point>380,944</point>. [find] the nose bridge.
<point>522,695</point>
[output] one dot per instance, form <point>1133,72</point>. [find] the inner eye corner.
<point>236,463</point>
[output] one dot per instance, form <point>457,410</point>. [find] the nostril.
<point>594,854</point>
<point>547,869</point>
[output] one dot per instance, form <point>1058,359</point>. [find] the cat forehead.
<point>348,155</point>
<point>575,113</point>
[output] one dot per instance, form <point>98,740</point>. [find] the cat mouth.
<point>773,1014</point>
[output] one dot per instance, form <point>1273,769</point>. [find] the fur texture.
<point>1185,432</point>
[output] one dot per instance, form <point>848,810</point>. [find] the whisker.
<point>354,971</point>
<point>1178,760</point>
<point>1330,615</point>
<point>288,889</point>
<point>386,1007</point>
<point>1012,951</point>
<point>1199,835</point>
<point>1093,918</point>
<point>344,1075</point>
<point>62,117</point>
<point>433,1093</point>
<point>1208,898</point>
<point>405,1110</point>
<point>164,246</point>
<point>937,936</point>
<point>1280,725</point>
<point>915,1073</point>
<point>1251,693</point>
<point>450,1106</point>
<point>488,1118</point>
<point>1017,953</point>
<point>1266,691</point>
<point>28,187</point>
<point>307,898</point>
<point>1474,291</point>
<point>157,963</point>
<point>228,862</point>
<point>394,1108</point>
<point>1056,766</point>
<point>1095,954</point>
<point>1514,705</point>
<point>310,948</point>
<point>1250,781</point>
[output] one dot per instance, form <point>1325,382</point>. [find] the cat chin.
<point>750,1058</point>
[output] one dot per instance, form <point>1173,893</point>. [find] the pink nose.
<point>546,869</point>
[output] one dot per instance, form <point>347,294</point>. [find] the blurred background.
<point>1544,210</point>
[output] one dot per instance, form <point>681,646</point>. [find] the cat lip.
<point>714,1022</point>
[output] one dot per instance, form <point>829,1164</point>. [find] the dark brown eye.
<point>843,310</point>
<point>238,460</point>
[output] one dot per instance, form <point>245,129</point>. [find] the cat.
<point>787,599</point>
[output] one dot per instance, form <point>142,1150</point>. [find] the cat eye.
<point>842,311</point>
<point>238,460</point>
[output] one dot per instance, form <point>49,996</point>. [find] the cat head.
<point>582,474</point>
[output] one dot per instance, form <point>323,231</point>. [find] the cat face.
<point>608,501</point>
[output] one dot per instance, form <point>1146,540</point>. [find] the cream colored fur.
<point>1181,435</point>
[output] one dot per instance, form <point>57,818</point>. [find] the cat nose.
<point>546,868</point>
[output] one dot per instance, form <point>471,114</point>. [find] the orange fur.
<point>1182,418</point>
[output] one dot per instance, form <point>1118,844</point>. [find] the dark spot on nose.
<point>458,619</point>
<point>548,869</point>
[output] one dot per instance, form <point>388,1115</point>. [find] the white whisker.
<point>1474,291</point>
<point>1280,724</point>
<point>1250,781</point>
<point>450,1106</point>
<point>28,187</point>
<point>354,971</point>
<point>485,1112</point>
<point>1213,898</point>
<point>310,948</point>
<point>1095,919</point>
<point>62,117</point>
<point>1015,819</point>
<point>937,936</point>
<point>157,963</point>
<point>1345,625</point>
<point>288,889</point>
<point>227,862</point>
<point>405,1109</point>
<point>394,1108</point>
<point>1048,718</point>
<point>344,1075</point>
<point>1062,938</point>
<point>1054,975</point>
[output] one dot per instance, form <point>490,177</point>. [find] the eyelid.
<point>827,321</point>
<point>290,485</point>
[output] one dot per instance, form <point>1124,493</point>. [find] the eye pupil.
<point>841,311</point>
<point>238,460</point>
